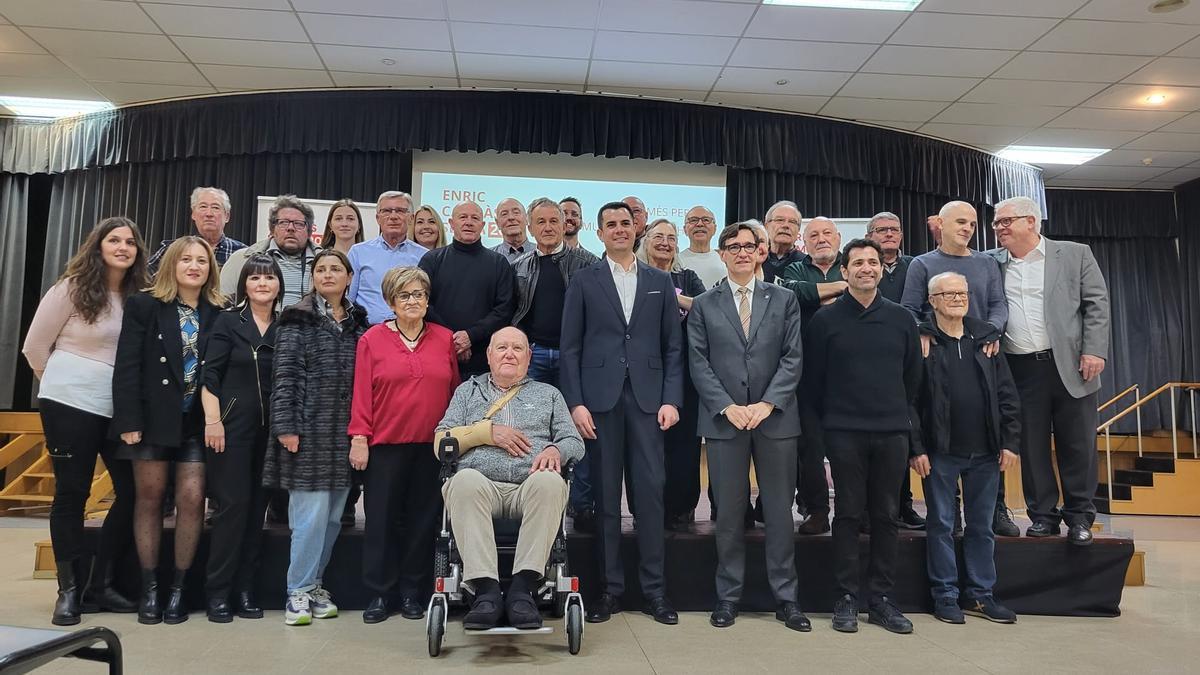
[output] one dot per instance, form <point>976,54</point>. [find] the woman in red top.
<point>404,375</point>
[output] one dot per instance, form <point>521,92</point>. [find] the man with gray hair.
<point>210,215</point>
<point>291,222</point>
<point>783,230</point>
<point>372,259</point>
<point>1056,343</point>
<point>511,220</point>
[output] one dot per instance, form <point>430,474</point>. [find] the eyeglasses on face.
<point>887,229</point>
<point>739,248</point>
<point>696,220</point>
<point>405,296</point>
<point>659,238</point>
<point>392,210</point>
<point>951,295</point>
<point>1003,223</point>
<point>290,224</point>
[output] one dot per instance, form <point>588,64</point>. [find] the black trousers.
<point>403,505</point>
<point>1048,408</point>
<point>812,489</point>
<point>240,503</point>
<point>681,448</point>
<point>74,438</point>
<point>868,468</point>
<point>625,436</point>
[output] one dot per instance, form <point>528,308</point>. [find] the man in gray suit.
<point>1056,343</point>
<point>746,356</point>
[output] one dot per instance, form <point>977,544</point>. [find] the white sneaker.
<point>322,604</point>
<point>297,611</point>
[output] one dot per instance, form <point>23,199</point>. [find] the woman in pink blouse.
<point>71,347</point>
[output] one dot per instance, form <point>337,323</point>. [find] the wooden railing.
<point>1136,409</point>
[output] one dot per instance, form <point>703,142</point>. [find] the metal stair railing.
<point>1137,394</point>
<point>1135,407</point>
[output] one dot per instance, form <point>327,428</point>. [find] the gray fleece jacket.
<point>538,410</point>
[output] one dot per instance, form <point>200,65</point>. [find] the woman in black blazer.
<point>156,411</point>
<point>236,397</point>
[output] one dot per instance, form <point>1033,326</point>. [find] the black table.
<point>24,649</point>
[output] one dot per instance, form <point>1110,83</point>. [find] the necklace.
<point>409,340</point>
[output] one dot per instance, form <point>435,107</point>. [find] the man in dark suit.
<point>748,407</point>
<point>1056,342</point>
<point>624,386</point>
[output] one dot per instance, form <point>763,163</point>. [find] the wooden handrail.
<point>1117,397</point>
<point>1146,399</point>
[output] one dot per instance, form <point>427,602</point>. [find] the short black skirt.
<point>192,450</point>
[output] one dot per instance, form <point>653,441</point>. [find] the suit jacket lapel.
<point>762,298</point>
<point>172,341</point>
<point>609,288</point>
<point>727,307</point>
<point>1051,270</point>
<point>643,287</point>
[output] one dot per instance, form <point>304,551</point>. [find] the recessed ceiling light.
<point>388,62</point>
<point>1155,99</point>
<point>1038,154</point>
<point>892,5</point>
<point>51,108</point>
<point>1164,6</point>
<point>781,82</point>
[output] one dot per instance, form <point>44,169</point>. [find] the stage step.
<point>1157,464</point>
<point>1134,477</point>
<point>37,499</point>
<point>1159,486</point>
<point>1119,491</point>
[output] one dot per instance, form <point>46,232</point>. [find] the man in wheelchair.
<point>514,436</point>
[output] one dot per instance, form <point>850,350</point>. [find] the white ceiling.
<point>985,73</point>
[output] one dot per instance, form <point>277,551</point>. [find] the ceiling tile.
<point>882,109</point>
<point>87,14</point>
<point>977,135</point>
<point>1106,173</point>
<point>1191,49</point>
<point>1048,8</point>
<point>1180,176</point>
<point>491,38</point>
<point>936,61</point>
<point>141,72</point>
<point>1106,37</point>
<point>251,24</point>
<point>358,31</point>
<point>1129,10</point>
<point>658,48</point>
<point>561,13</point>
<point>407,9</point>
<point>1165,140</point>
<point>994,90</point>
<point>128,92</point>
<point>1162,158</point>
<point>113,45</point>
<point>803,104</point>
<point>1187,124</point>
<point>14,41</point>
<point>239,4</point>
<point>344,79</point>
<point>523,86</point>
<point>1071,67</point>
<point>652,75</point>
<point>521,68</point>
<point>370,60</point>
<point>870,85</point>
<point>966,30</point>
<point>49,88</point>
<point>1004,114</point>
<point>249,52</point>
<point>796,55</point>
<point>235,78</point>
<point>33,65</point>
<point>1122,120</point>
<point>820,23</point>
<point>764,81</point>
<point>669,94</point>
<point>675,16</point>
<point>1169,71</point>
<point>1133,97</point>
<point>1078,138</point>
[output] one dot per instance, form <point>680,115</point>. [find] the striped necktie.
<point>744,310</point>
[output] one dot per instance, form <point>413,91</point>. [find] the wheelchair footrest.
<point>509,630</point>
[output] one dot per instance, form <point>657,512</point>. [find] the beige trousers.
<point>473,500</point>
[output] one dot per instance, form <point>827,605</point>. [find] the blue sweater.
<point>984,282</point>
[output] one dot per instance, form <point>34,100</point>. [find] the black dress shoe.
<point>219,610</point>
<point>411,609</point>
<point>911,520</point>
<point>661,610</point>
<point>724,614</point>
<point>376,611</point>
<point>1043,529</point>
<point>792,617</point>
<point>603,608</point>
<point>845,614</point>
<point>1080,535</point>
<point>817,523</point>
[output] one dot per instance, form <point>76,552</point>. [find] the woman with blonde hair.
<point>343,226</point>
<point>427,229</point>
<point>157,412</point>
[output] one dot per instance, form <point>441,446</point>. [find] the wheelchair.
<point>559,590</point>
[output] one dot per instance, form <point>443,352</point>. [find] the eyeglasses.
<point>1004,223</point>
<point>696,220</point>
<point>739,248</point>
<point>950,295</point>
<point>887,230</point>
<point>393,210</point>
<point>405,296</point>
<point>290,224</point>
<point>659,238</point>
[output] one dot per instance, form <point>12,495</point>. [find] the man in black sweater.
<point>863,368</point>
<point>472,289</point>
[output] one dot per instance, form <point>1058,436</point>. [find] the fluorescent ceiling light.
<point>893,5</point>
<point>51,108</point>
<point>1036,154</point>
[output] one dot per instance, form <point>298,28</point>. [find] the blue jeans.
<point>543,364</point>
<point>980,475</point>
<point>316,520</point>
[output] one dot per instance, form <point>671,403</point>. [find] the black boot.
<point>246,607</point>
<point>101,594</point>
<point>66,608</point>
<point>219,610</point>
<point>175,610</point>
<point>149,611</point>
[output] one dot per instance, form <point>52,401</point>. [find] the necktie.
<point>744,310</point>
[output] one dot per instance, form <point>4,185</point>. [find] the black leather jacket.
<point>569,261</point>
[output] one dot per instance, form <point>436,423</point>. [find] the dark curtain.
<point>1133,236</point>
<point>1188,197</point>
<point>155,195</point>
<point>14,207</point>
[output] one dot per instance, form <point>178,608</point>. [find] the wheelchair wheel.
<point>574,627</point>
<point>435,626</point>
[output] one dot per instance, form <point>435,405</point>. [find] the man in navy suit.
<point>624,386</point>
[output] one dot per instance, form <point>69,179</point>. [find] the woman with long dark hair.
<point>236,396</point>
<point>71,347</point>
<point>156,413</point>
<point>343,226</point>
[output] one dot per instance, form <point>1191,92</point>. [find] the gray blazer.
<point>727,369</point>
<point>1076,309</point>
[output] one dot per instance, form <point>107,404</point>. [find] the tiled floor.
<point>1159,631</point>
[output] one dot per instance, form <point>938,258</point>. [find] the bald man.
<point>638,208</point>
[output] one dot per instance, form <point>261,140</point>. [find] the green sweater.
<point>802,277</point>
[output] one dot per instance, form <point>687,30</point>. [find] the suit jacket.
<point>148,372</point>
<point>648,349</point>
<point>1076,309</point>
<point>727,368</point>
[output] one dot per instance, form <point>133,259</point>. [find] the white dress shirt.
<point>1025,289</point>
<point>626,283</point>
<point>737,299</point>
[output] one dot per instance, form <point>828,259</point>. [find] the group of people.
<point>234,372</point>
